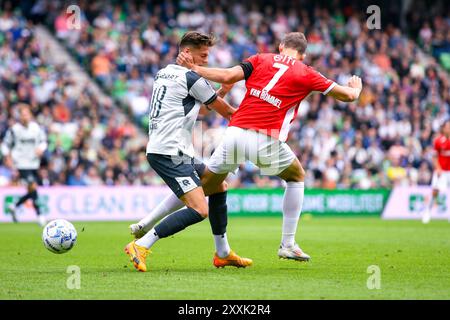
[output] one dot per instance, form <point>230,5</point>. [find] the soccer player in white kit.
<point>23,146</point>
<point>178,94</point>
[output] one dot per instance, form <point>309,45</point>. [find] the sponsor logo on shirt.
<point>264,95</point>
<point>445,153</point>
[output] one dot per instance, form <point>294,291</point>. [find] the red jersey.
<point>276,84</point>
<point>442,147</point>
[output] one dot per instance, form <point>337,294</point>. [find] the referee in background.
<point>23,146</point>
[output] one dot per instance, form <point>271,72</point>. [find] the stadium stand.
<point>381,141</point>
<point>89,142</point>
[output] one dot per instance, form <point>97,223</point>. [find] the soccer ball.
<point>59,236</point>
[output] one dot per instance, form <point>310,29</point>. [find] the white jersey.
<point>22,143</point>
<point>177,96</point>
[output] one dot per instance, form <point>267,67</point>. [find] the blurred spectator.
<point>383,140</point>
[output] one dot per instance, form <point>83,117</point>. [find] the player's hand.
<point>8,162</point>
<point>355,82</point>
<point>39,152</point>
<point>224,89</point>
<point>185,60</point>
<point>438,172</point>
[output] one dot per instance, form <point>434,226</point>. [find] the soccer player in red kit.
<point>276,84</point>
<point>441,162</point>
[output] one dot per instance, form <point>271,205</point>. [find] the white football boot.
<point>137,230</point>
<point>293,253</point>
<point>426,216</point>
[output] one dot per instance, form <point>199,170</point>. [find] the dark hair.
<point>295,40</point>
<point>196,40</point>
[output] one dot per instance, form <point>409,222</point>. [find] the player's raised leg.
<point>215,185</point>
<point>426,216</point>
<point>32,194</point>
<point>294,176</point>
<point>170,204</point>
<point>32,189</point>
<point>196,210</point>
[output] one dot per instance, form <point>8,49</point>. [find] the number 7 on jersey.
<point>282,69</point>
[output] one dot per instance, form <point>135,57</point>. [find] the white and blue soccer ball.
<point>59,236</point>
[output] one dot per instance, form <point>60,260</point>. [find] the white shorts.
<point>238,145</point>
<point>442,182</point>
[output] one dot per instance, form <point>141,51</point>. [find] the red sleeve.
<point>249,65</point>
<point>253,60</point>
<point>436,144</point>
<point>318,82</point>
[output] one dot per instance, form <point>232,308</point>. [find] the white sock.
<point>170,204</point>
<point>222,246</point>
<point>148,240</point>
<point>42,220</point>
<point>292,207</point>
<point>426,216</point>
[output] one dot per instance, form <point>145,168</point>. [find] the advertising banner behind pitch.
<point>133,203</point>
<point>410,203</point>
<point>319,202</point>
<point>85,203</point>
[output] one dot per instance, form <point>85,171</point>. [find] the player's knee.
<point>202,209</point>
<point>223,187</point>
<point>301,174</point>
<point>32,187</point>
<point>298,175</point>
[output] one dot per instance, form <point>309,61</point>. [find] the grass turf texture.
<point>413,258</point>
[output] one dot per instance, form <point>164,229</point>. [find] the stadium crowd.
<point>88,143</point>
<point>384,139</point>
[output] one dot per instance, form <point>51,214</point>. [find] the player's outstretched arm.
<point>347,93</point>
<point>222,92</point>
<point>222,107</point>
<point>220,75</point>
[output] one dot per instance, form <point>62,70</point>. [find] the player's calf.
<point>292,208</point>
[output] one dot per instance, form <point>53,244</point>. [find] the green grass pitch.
<point>414,261</point>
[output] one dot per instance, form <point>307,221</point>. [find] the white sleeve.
<point>7,142</point>
<point>202,91</point>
